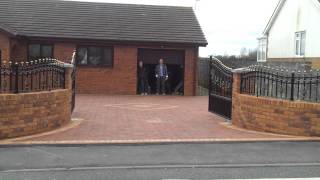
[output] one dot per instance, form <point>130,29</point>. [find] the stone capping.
<point>240,70</point>
<point>67,65</point>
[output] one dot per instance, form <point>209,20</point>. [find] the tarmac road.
<point>164,161</point>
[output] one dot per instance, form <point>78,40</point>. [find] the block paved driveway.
<point>103,118</point>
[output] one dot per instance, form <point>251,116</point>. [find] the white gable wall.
<point>313,26</point>
<point>296,15</point>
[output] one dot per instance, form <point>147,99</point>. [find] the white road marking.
<point>43,152</point>
<point>141,106</point>
<point>161,167</point>
<point>262,179</point>
<point>284,179</point>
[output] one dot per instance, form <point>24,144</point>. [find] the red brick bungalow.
<point>110,39</point>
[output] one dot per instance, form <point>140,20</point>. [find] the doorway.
<point>174,60</point>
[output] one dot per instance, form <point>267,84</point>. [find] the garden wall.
<point>274,115</point>
<point>35,112</point>
<point>30,113</point>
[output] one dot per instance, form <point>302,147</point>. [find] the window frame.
<point>41,53</point>
<point>103,56</point>
<point>298,41</point>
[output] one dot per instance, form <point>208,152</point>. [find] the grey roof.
<point>103,21</point>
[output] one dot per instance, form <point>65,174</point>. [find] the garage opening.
<point>174,60</point>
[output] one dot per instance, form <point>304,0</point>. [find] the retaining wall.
<point>274,115</point>
<point>31,113</point>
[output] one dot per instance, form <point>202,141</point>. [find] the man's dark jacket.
<point>142,73</point>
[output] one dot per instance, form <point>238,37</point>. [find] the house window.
<point>300,43</point>
<point>38,51</point>
<point>94,56</point>
<point>262,49</point>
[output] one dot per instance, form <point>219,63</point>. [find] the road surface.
<point>166,161</point>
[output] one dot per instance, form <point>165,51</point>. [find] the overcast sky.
<point>228,25</point>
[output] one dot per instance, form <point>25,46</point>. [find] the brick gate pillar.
<point>236,81</point>
<point>67,77</point>
<point>236,88</point>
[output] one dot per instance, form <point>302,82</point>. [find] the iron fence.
<point>32,76</point>
<point>281,83</point>
<point>221,79</point>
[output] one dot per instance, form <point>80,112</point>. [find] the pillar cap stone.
<point>67,65</point>
<point>240,70</point>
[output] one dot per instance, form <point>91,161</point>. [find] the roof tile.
<point>105,21</point>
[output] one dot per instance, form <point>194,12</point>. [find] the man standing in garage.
<point>161,72</point>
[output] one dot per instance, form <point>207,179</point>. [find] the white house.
<point>293,33</point>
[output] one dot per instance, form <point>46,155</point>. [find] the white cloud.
<point>228,25</point>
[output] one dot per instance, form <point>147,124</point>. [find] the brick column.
<point>68,78</point>
<point>237,79</point>
<point>236,82</point>
<point>236,86</point>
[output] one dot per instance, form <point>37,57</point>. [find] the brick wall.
<point>274,115</point>
<point>315,64</point>
<point>63,51</point>
<point>122,77</point>
<point>313,61</point>
<point>190,72</point>
<point>30,113</point>
<point>18,50</point>
<point>119,79</point>
<point>4,47</point>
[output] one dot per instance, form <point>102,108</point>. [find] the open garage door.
<point>174,59</point>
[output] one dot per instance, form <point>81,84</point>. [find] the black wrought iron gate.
<point>220,89</point>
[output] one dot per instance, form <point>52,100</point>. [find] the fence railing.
<point>282,84</point>
<point>220,79</point>
<point>32,76</point>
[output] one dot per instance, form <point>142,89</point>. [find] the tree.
<point>252,53</point>
<point>243,52</point>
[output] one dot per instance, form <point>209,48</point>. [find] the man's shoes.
<point>163,94</point>
<point>157,94</point>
